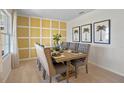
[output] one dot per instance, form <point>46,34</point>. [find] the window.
<point>4,33</point>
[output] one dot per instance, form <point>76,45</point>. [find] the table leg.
<point>67,71</point>
<point>67,74</point>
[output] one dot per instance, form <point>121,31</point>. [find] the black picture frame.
<point>78,29</point>
<point>90,32</point>
<point>108,22</point>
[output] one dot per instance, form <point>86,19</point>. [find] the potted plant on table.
<point>56,39</point>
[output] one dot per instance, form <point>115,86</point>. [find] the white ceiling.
<point>60,14</point>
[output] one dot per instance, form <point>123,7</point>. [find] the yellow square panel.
<point>54,32</point>
<point>35,32</point>
<point>22,32</point>
<point>33,52</point>
<point>22,21</point>
<point>63,39</point>
<point>52,42</point>
<point>45,23</point>
<point>63,33</point>
<point>35,22</point>
<point>45,33</point>
<point>62,25</point>
<point>46,41</point>
<point>23,53</point>
<point>23,43</point>
<point>33,41</point>
<point>55,24</point>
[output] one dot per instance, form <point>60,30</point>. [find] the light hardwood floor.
<point>28,72</point>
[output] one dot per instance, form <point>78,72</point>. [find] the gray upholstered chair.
<point>83,48</point>
<point>38,62</point>
<point>76,47</point>
<point>44,55</point>
<point>65,45</point>
<point>72,46</point>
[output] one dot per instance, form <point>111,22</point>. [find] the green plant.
<point>56,39</point>
<point>100,29</point>
<point>86,31</point>
<point>76,34</point>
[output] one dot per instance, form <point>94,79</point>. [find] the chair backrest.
<point>72,46</point>
<point>44,56</point>
<point>84,48</point>
<point>35,44</point>
<point>65,45</point>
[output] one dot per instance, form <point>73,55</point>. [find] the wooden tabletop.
<point>68,56</point>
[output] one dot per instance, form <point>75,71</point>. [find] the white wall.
<point>0,57</point>
<point>111,56</point>
<point>5,63</point>
<point>6,68</point>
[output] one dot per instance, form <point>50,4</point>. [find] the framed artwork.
<point>76,34</point>
<point>102,32</point>
<point>86,33</point>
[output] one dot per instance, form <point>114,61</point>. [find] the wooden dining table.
<point>67,56</point>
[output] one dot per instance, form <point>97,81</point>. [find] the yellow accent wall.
<point>33,41</point>
<point>62,25</point>
<point>55,24</point>
<point>22,21</point>
<point>54,32</point>
<point>23,43</point>
<point>63,39</point>
<point>22,32</point>
<point>35,32</point>
<point>46,41</point>
<point>33,29</point>
<point>24,53</point>
<point>45,23</point>
<point>35,22</point>
<point>45,33</point>
<point>63,33</point>
<point>33,52</point>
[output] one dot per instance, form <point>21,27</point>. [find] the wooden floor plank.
<point>28,72</point>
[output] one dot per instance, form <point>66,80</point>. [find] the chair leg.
<point>44,74</point>
<point>50,79</point>
<point>37,61</point>
<point>39,66</point>
<point>75,71</point>
<point>86,68</point>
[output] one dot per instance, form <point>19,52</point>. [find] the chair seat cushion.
<point>60,68</point>
<point>77,62</point>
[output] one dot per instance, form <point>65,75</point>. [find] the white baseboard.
<point>111,70</point>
